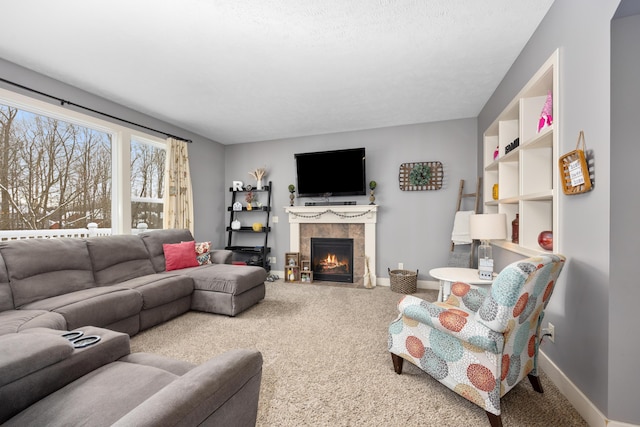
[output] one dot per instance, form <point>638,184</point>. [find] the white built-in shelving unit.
<point>527,176</point>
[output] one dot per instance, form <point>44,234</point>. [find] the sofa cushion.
<point>226,278</point>
<point>12,321</point>
<point>154,240</point>
<point>118,258</point>
<point>44,268</point>
<point>98,393</point>
<point>158,289</point>
<point>99,306</point>
<point>179,255</point>
<point>21,354</point>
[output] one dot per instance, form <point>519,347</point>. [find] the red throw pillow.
<point>180,255</point>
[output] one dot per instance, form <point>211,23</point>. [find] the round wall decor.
<point>420,176</point>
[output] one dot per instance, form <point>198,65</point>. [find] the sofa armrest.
<point>453,321</point>
<point>221,256</point>
<point>222,391</point>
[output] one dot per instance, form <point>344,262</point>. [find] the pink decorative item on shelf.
<point>496,153</point>
<point>545,240</point>
<point>546,116</point>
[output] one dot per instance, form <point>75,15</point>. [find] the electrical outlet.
<point>274,220</point>
<point>272,260</point>
<point>400,266</point>
<point>551,330</point>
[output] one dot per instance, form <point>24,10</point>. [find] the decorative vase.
<point>235,225</point>
<point>372,198</point>
<point>249,207</point>
<point>291,197</point>
<point>495,193</point>
<point>259,184</point>
<point>515,229</point>
<point>545,240</point>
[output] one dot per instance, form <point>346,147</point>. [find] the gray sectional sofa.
<point>46,381</point>
<point>114,287</point>
<point>115,282</point>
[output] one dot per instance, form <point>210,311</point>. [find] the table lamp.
<point>486,227</point>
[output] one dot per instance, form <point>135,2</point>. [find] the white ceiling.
<point>251,70</point>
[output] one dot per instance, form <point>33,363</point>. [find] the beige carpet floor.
<point>326,363</point>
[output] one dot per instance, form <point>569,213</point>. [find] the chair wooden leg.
<point>397,363</point>
<point>535,383</point>
<point>494,420</point>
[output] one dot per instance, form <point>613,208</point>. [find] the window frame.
<point>121,137</point>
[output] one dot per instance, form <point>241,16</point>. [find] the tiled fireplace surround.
<point>357,222</point>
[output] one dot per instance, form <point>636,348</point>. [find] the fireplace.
<point>357,222</point>
<point>332,259</point>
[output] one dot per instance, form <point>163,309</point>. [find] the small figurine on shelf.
<point>292,189</point>
<point>372,186</point>
<point>249,198</point>
<point>546,116</point>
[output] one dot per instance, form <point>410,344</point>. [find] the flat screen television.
<point>331,173</point>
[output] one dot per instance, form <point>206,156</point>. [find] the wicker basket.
<point>403,281</point>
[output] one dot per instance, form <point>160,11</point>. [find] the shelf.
<point>511,157</point>
<point>543,195</point>
<point>265,188</point>
<point>493,166</point>
<point>543,139</point>
<point>257,209</point>
<point>249,229</point>
<point>513,247</point>
<point>248,249</point>
<point>240,239</point>
<point>509,201</point>
<point>527,176</point>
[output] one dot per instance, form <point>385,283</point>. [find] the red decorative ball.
<point>545,240</point>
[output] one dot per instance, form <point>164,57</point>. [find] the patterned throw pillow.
<point>202,253</point>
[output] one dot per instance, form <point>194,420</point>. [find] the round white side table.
<point>449,275</point>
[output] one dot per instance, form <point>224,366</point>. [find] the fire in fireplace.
<point>332,259</point>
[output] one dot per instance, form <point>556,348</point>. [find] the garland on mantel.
<point>341,215</point>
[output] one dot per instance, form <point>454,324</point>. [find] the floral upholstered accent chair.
<point>480,343</point>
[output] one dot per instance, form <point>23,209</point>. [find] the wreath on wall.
<point>420,175</point>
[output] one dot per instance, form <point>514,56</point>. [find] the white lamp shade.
<point>488,226</point>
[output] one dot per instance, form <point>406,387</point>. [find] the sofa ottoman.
<point>230,290</point>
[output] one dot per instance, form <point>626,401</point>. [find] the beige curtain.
<point>178,199</point>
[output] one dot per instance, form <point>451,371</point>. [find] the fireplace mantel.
<point>336,214</point>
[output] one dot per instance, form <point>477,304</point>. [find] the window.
<point>147,183</point>
<point>60,169</point>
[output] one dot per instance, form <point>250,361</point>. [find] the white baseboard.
<point>580,402</point>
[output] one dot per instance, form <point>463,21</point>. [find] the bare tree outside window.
<point>147,184</point>
<point>53,174</point>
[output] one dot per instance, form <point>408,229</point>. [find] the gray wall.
<point>624,292</point>
<point>206,156</point>
<point>593,308</point>
<point>596,360</point>
<point>414,227</point>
